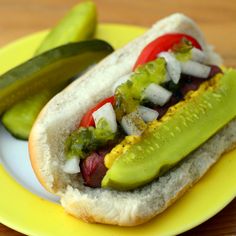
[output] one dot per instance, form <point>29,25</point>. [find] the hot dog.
<point>134,190</point>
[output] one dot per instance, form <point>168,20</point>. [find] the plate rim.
<point>3,172</point>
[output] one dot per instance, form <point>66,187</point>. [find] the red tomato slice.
<point>149,53</point>
<point>161,44</point>
<point>87,119</point>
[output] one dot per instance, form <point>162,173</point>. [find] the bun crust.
<point>58,119</point>
<point>136,207</point>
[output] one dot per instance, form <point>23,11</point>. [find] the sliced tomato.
<point>149,53</point>
<point>161,44</point>
<point>87,119</point>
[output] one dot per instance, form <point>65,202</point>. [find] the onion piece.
<point>133,124</point>
<point>195,69</point>
<point>173,66</point>
<point>157,94</point>
<point>147,114</point>
<point>107,112</point>
<point>123,79</point>
<point>198,55</point>
<point>72,166</point>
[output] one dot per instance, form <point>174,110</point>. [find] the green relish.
<point>83,141</point>
<point>128,97</point>
<point>182,50</point>
<point>130,94</point>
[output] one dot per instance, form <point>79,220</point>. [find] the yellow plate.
<point>32,215</point>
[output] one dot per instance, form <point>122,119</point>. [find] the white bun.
<point>58,119</point>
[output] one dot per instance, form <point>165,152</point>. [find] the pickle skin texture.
<point>163,146</point>
<point>20,118</point>
<point>78,24</point>
<point>49,69</point>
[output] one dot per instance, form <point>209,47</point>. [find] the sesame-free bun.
<point>58,118</point>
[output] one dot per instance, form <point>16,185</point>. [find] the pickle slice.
<point>49,69</point>
<point>20,118</point>
<point>169,141</point>
<point>79,24</point>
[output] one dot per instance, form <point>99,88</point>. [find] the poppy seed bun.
<point>58,118</point>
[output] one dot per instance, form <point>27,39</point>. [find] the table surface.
<point>216,18</point>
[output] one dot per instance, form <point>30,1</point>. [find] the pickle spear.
<point>79,24</point>
<point>19,119</point>
<point>49,69</point>
<point>168,141</point>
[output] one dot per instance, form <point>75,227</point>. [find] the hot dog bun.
<point>58,119</point>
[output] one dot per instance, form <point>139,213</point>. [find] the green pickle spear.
<point>49,70</point>
<point>20,118</point>
<point>165,144</point>
<point>79,24</point>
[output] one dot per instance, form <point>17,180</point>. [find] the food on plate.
<point>125,141</point>
<point>19,119</point>
<point>78,25</point>
<point>50,70</point>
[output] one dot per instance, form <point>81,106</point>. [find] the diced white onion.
<point>72,166</point>
<point>173,66</point>
<point>198,55</point>
<point>157,94</point>
<point>120,81</point>
<point>107,112</point>
<point>147,114</point>
<point>195,69</point>
<point>133,124</point>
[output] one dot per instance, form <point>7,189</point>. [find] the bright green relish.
<point>182,50</point>
<point>83,141</point>
<point>130,94</point>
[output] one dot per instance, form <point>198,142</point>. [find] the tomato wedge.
<point>149,53</point>
<point>87,119</point>
<point>161,44</point>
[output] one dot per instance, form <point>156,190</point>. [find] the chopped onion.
<point>133,124</point>
<point>195,69</point>
<point>173,66</point>
<point>157,94</point>
<point>198,55</point>
<point>107,112</point>
<point>72,166</point>
<point>147,114</point>
<point>120,81</point>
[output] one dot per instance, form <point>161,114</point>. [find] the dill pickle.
<point>79,24</point>
<point>20,118</point>
<point>49,69</point>
<point>168,141</point>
